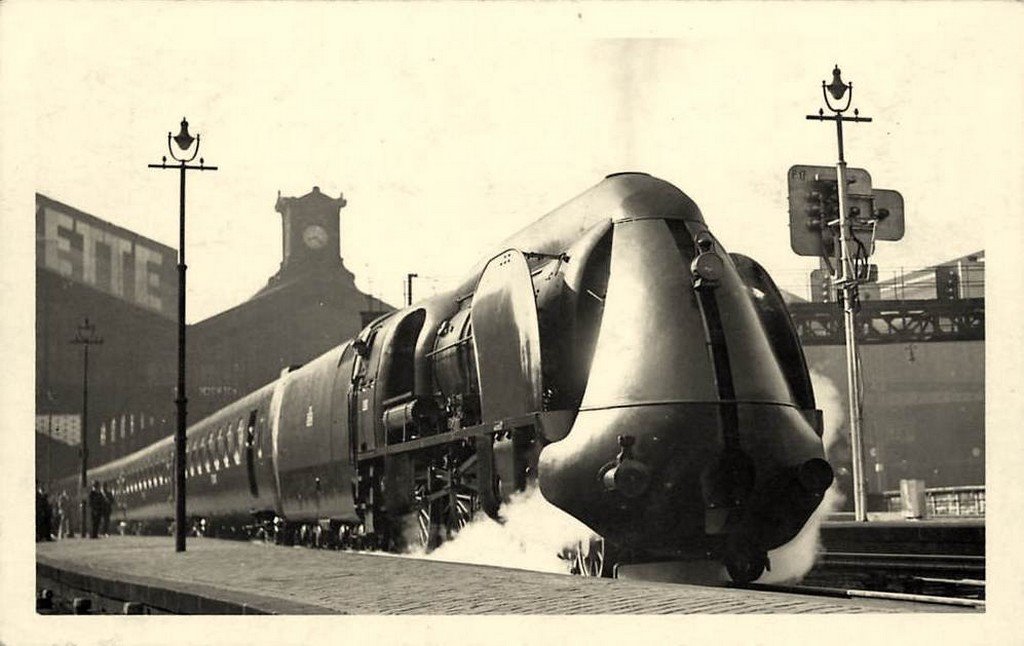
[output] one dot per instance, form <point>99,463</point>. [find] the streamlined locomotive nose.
<point>683,367</point>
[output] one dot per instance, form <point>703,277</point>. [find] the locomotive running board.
<point>549,423</point>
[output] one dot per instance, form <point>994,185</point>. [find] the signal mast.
<point>827,204</point>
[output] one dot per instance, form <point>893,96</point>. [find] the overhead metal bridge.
<point>892,321</point>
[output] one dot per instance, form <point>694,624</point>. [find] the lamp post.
<point>85,336</point>
<point>408,287</point>
<point>184,142</point>
<point>846,280</point>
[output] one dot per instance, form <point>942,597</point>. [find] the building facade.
<point>310,305</point>
<point>126,285</point>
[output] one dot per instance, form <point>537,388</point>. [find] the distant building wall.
<point>924,412</point>
<point>127,286</point>
<point>309,306</point>
<point>247,346</point>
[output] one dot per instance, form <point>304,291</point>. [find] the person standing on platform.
<point>42,515</point>
<point>60,515</point>
<point>108,508</point>
<point>96,504</point>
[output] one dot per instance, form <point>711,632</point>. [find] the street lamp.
<point>184,142</point>
<point>85,336</point>
<point>846,280</point>
<point>408,287</point>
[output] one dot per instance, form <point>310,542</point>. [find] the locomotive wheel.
<point>444,503</point>
<point>589,559</point>
<point>425,524</point>
<point>441,515</point>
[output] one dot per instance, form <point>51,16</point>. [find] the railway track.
<point>851,593</point>
<point>949,576</point>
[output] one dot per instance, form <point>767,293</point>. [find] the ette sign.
<point>113,260</point>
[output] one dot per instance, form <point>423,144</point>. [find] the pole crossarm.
<point>180,166</point>
<point>837,117</point>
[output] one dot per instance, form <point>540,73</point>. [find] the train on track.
<point>612,353</point>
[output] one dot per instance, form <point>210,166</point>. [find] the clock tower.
<point>310,232</point>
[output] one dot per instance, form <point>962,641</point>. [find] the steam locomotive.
<point>612,353</point>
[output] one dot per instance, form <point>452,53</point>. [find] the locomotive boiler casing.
<point>686,406</point>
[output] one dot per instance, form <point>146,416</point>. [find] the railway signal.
<point>835,214</point>
<point>887,209</point>
<point>947,283</point>
<point>821,286</point>
<point>814,206</point>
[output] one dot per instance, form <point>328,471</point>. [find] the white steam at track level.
<point>793,560</point>
<point>534,533</point>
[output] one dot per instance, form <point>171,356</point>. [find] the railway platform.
<point>227,577</point>
<point>888,533</point>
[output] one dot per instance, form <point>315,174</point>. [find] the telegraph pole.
<point>846,280</point>
<point>184,142</point>
<point>85,336</point>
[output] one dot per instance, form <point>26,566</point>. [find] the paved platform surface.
<point>288,580</point>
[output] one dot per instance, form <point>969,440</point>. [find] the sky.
<point>448,128</point>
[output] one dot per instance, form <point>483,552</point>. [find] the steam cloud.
<point>533,535</point>
<point>792,561</point>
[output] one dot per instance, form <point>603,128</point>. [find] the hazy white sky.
<point>448,128</point>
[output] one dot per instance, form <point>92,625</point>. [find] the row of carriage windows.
<point>220,449</point>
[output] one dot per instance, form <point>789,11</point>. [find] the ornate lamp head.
<point>184,141</point>
<point>86,333</point>
<point>837,89</point>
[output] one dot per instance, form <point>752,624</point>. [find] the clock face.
<point>314,236</point>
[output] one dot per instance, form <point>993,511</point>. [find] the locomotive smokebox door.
<point>506,338</point>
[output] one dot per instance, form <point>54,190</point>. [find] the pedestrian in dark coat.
<point>108,508</point>
<point>43,517</point>
<point>96,505</point>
